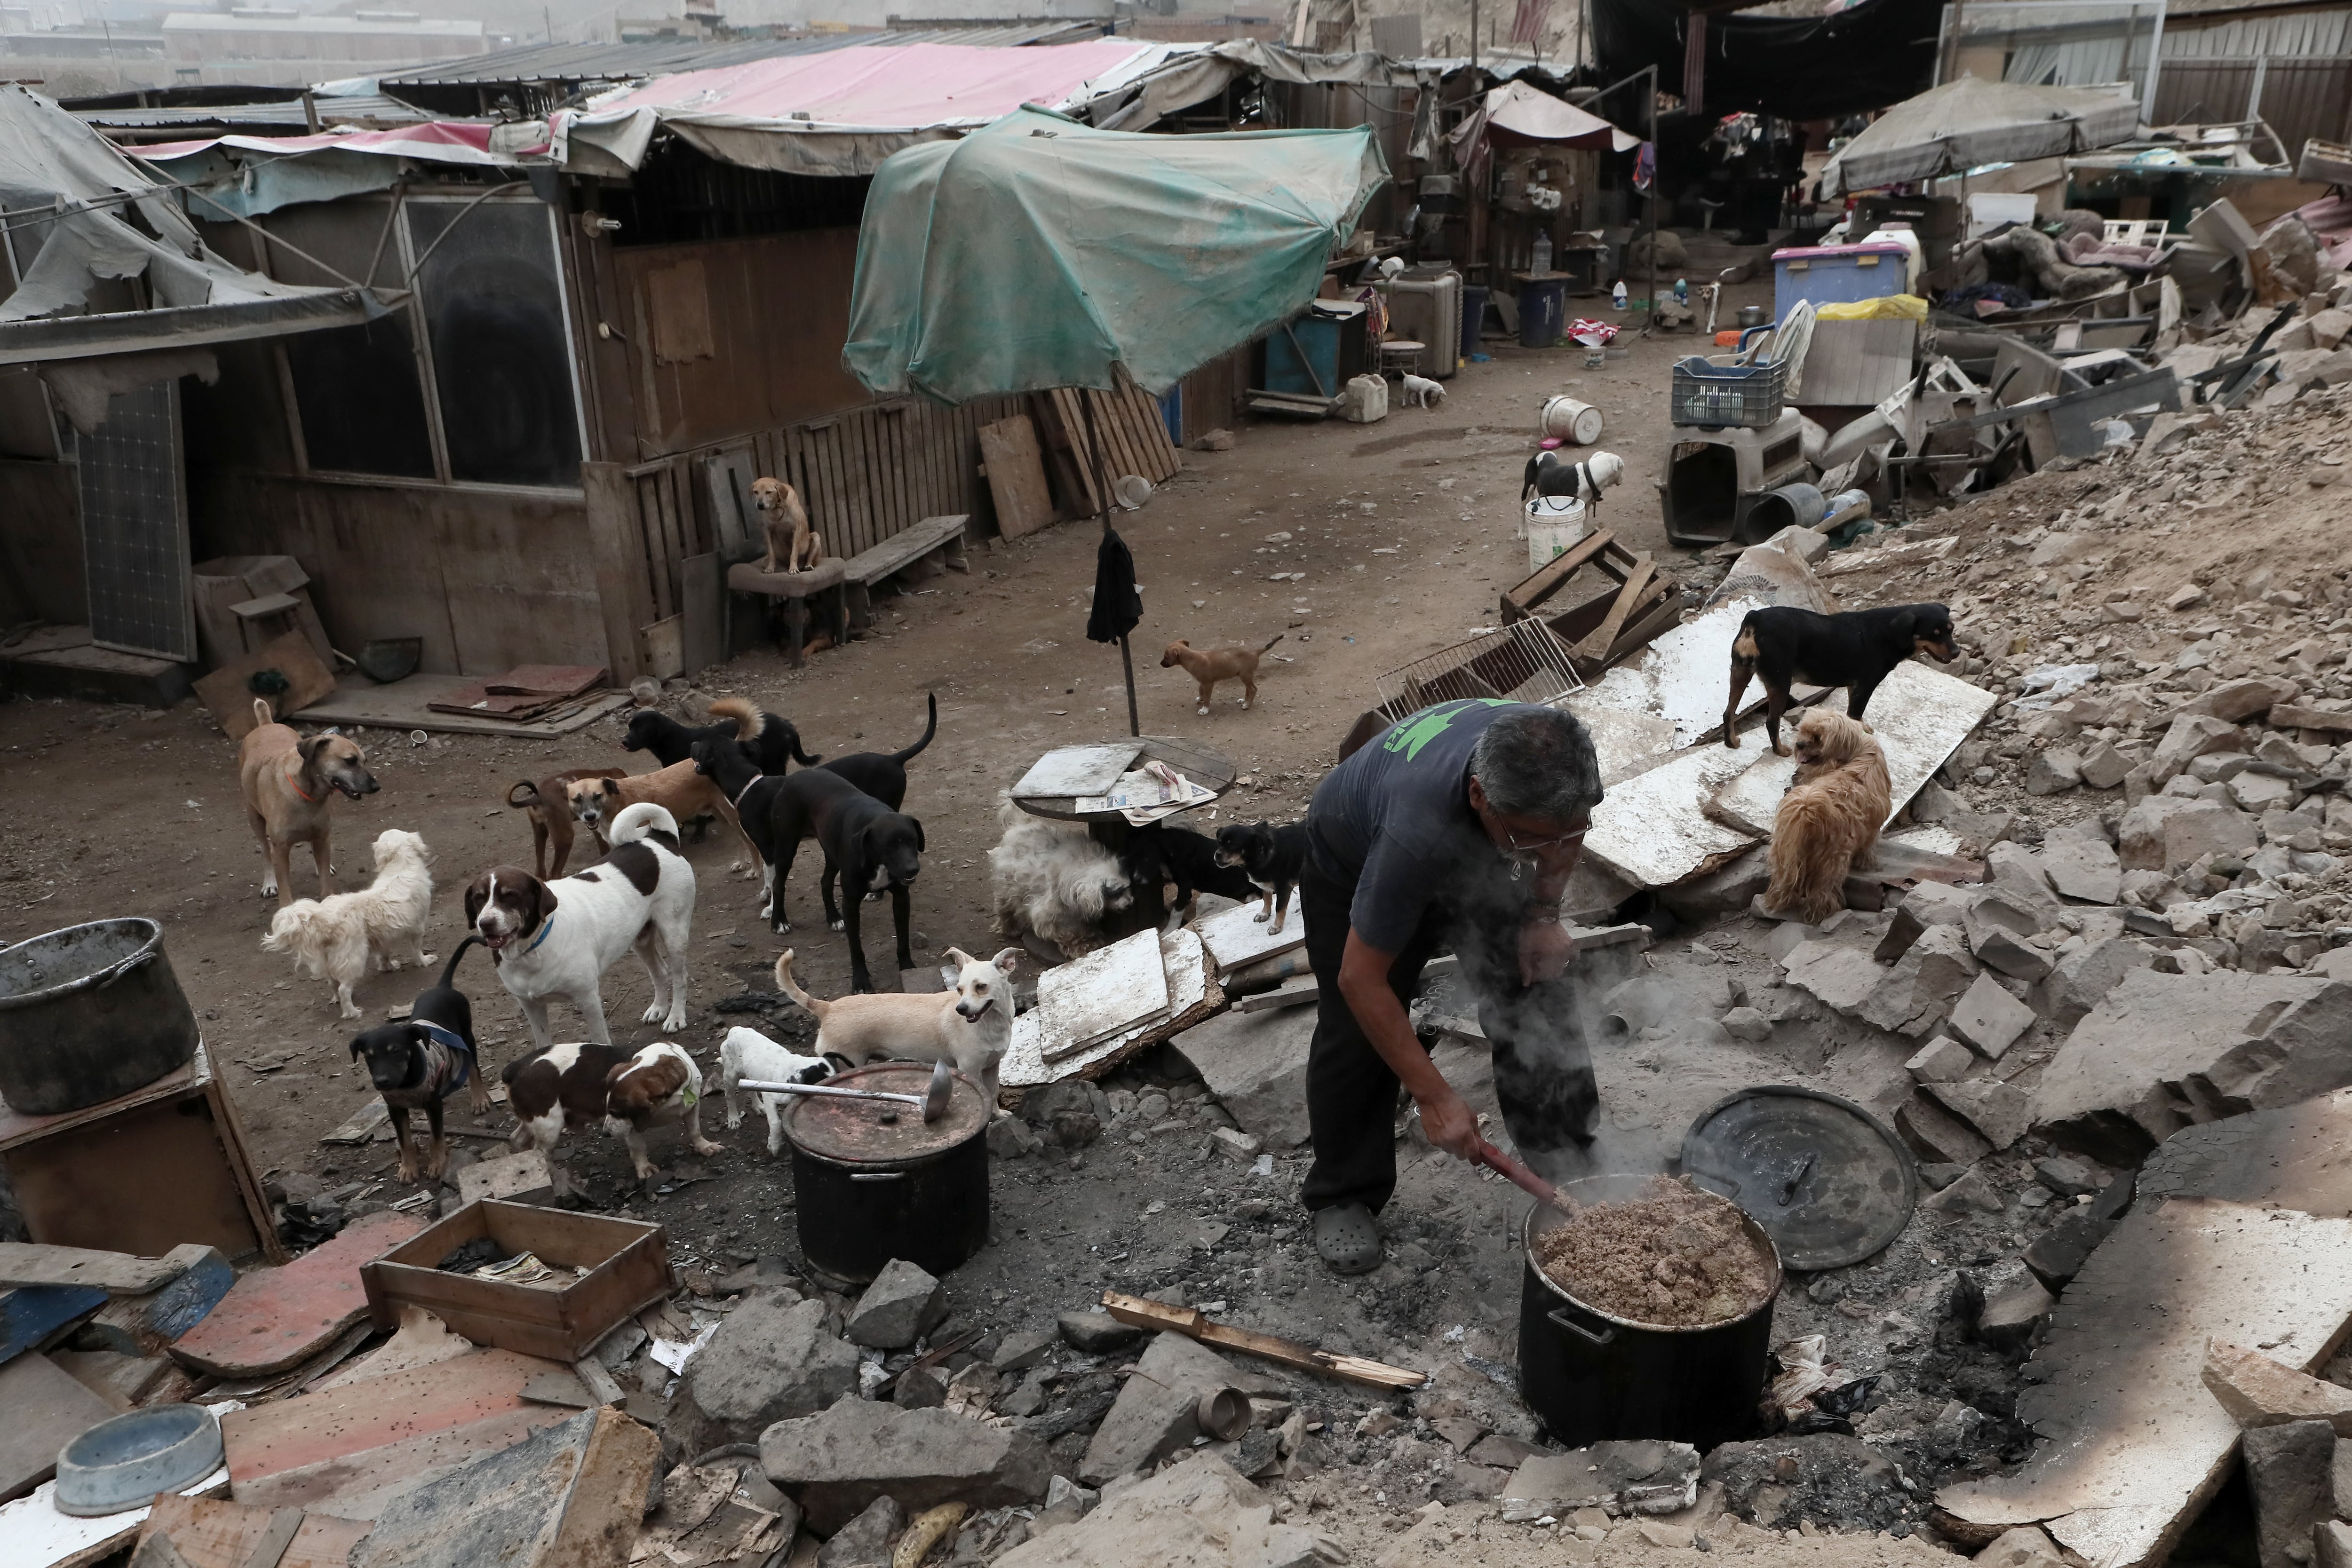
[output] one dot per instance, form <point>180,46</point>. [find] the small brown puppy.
<point>1828,821</point>
<point>1209,665</point>
<point>678,790</point>
<point>551,813</point>
<point>288,782</point>
<point>793,545</point>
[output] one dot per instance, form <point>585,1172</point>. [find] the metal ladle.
<point>932,1102</point>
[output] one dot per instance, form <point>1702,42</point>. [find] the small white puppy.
<point>333,938</point>
<point>748,1053</point>
<point>1420,391</point>
<point>970,1025</point>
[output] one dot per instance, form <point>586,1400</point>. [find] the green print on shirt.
<point>1410,739</point>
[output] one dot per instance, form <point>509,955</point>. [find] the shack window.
<point>494,317</point>
<point>681,195</point>
<point>357,391</point>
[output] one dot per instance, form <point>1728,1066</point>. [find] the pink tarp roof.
<point>868,87</point>
<point>440,142</point>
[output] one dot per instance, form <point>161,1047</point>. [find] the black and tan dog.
<point>1271,857</point>
<point>1163,852</point>
<point>420,1061</point>
<point>1782,646</point>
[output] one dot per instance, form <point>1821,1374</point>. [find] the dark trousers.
<point>1543,1067</point>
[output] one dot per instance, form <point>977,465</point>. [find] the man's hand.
<point>1448,1121</point>
<point>1545,948</point>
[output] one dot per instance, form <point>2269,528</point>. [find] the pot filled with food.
<point>1645,1312</point>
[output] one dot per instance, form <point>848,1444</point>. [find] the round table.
<point>1210,769</point>
<point>1401,356</point>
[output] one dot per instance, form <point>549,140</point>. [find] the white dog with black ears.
<point>970,1027</point>
<point>748,1053</point>
<point>333,938</point>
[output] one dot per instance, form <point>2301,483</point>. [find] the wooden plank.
<point>214,1533</point>
<point>611,520</point>
<point>857,433</point>
<point>117,1274</point>
<point>1191,1323</point>
<point>274,1318</point>
<point>227,698</point>
<point>1521,598</point>
<point>895,460</point>
<point>47,1408</point>
<point>1637,584</point>
<point>568,1496</point>
<point>1016,476</point>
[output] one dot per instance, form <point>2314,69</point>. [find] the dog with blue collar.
<point>420,1061</point>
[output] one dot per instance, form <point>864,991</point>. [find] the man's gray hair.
<point>1538,763</point>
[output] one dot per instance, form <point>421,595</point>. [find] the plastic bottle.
<point>1681,291</point>
<point>1542,261</point>
<point>1617,294</point>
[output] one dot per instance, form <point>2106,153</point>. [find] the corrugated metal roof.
<point>366,110</point>
<point>632,62</point>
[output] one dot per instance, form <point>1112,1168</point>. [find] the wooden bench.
<point>845,587</point>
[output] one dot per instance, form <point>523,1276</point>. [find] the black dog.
<point>1163,852</point>
<point>882,774</point>
<point>1783,645</point>
<point>869,846</point>
<point>1270,857</point>
<point>423,1059</point>
<point>767,739</point>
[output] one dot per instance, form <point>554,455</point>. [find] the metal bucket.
<point>1594,1376</point>
<point>1790,505</point>
<point>1576,423</point>
<point>89,1014</point>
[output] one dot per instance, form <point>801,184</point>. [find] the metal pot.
<point>872,1181</point>
<point>89,1014</point>
<point>1753,316</point>
<point>1594,1376</point>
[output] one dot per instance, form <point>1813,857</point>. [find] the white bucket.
<point>1554,524</point>
<point>1568,420</point>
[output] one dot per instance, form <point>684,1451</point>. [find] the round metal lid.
<point>1828,1181</point>
<point>884,1132</point>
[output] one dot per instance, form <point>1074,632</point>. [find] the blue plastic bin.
<point>1837,275</point>
<point>1543,309</point>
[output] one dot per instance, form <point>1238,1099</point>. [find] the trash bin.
<point>1474,315</point>
<point>1543,307</point>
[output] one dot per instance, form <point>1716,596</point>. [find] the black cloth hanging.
<point>1118,606</point>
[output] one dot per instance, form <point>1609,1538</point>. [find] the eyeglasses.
<point>1511,840</point>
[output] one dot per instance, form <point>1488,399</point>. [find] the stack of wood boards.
<point>1602,599</point>
<point>1134,438</point>
<point>1062,1037</point>
<point>525,692</point>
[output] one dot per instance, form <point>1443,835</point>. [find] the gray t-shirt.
<point>1395,819</point>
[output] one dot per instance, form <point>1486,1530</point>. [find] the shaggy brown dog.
<point>793,545</point>
<point>1828,821</point>
<point>1209,665</point>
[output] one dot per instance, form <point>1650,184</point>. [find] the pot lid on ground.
<point>884,1132</point>
<point>1828,1181</point>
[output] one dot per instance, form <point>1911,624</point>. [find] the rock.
<point>1070,1114</point>
<point>2012,1313</point>
<point>2331,1543</point>
<point>1020,1352</point>
<point>1009,1138</point>
<point>2105,764</point>
<point>2237,701</point>
<point>1748,1024</point>
<point>1971,1194</point>
<point>1096,1333</point>
<point>839,1460</point>
<point>1821,1479</point>
<point>2287,1468</point>
<point>2261,792</point>
<point>919,1388</point>
<point>1196,1512</point>
<point>2188,596</point>
<point>1154,1414</point>
<point>1840,976</point>
<point>1658,1533</point>
<point>2003,950</point>
<point>2053,772</point>
<point>1938,903</point>
<point>1940,1061</point>
<point>771,1360</point>
<point>2081,980</point>
<point>1645,1476</point>
<point>2302,1050</point>
<point>2059,1253</point>
<point>898,1307</point>
<point>1988,1019</point>
<point>1917,994</point>
<point>2260,1392</point>
<point>1255,1064</point>
<point>2001,1112</point>
<point>2027,1546</point>
<point>1235,1145</point>
<point>2191,735</point>
<point>1937,1135</point>
<point>2017,877</point>
<point>2083,866</point>
<point>2164,832</point>
<point>2066,1178</point>
<point>865,1541</point>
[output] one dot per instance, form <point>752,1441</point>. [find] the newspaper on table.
<point>1148,793</point>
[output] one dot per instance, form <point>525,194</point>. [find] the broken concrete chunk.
<point>1917,994</point>
<point>1255,1064</point>
<point>839,1460</point>
<point>1155,1414</point>
<point>2066,1178</point>
<point>2261,792</point>
<point>2081,980</point>
<point>898,1307</point>
<point>2083,867</point>
<point>2106,764</point>
<point>1969,1193</point>
<point>1935,1136</point>
<point>1198,1512</point>
<point>865,1541</point>
<point>2260,1392</point>
<point>2012,1313</point>
<point>1022,1351</point>
<point>2059,1253</point>
<point>2237,701</point>
<point>2001,1112</point>
<point>1748,1024</point>
<point>1096,1333</point>
<point>1997,947</point>
<point>1940,1061</point>
<point>1648,1476</point>
<point>2191,735</point>
<point>2331,1545</point>
<point>1988,1019</point>
<point>771,1360</point>
<point>2024,1547</point>
<point>572,1493</point>
<point>2287,1468</point>
<point>2053,772</point>
<point>2165,832</point>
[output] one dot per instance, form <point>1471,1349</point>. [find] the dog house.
<point>1714,477</point>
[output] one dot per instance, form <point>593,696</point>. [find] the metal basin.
<point>124,1462</point>
<point>390,659</point>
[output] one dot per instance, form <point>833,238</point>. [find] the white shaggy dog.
<point>970,1025</point>
<point>1420,391</point>
<point>332,938</point>
<point>1052,880</point>
<point>748,1053</point>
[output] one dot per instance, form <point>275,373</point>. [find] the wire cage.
<point>1524,662</point>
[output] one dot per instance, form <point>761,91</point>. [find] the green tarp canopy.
<point>1038,251</point>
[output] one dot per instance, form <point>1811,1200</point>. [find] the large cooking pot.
<point>874,1181</point>
<point>89,1014</point>
<point>1594,1376</point>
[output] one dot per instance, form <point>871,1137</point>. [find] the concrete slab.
<point>1682,677</point>
<point>1236,937</point>
<point>1255,1064</point>
<point>1653,829</point>
<point>2133,1444</point>
<point>48,1408</point>
<point>273,1319</point>
<point>1191,999</point>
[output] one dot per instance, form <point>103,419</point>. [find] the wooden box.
<point>627,1264</point>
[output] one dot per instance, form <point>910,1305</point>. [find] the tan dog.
<point>1828,821</point>
<point>550,814</point>
<point>678,790</point>
<point>970,1025</point>
<point>1209,665</point>
<point>791,540</point>
<point>288,782</point>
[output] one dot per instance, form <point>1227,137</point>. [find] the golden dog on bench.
<point>793,545</point>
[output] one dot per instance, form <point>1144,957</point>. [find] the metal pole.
<point>2154,60</point>
<point>1102,497</point>
<point>1655,170</point>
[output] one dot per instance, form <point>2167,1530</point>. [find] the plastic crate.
<point>1715,396</point>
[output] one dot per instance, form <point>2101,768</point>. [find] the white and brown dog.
<point>572,1086</point>
<point>793,545</point>
<point>333,938</point>
<point>970,1027</point>
<point>554,940</point>
<point>289,781</point>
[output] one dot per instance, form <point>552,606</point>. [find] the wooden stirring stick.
<point>1495,1160</point>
